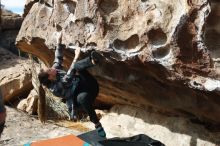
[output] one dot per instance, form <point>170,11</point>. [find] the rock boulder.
<point>154,52</point>
<point>29,104</point>
<point>15,76</point>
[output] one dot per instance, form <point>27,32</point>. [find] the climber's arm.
<point>85,63</point>
<point>78,65</point>
<point>58,60</point>
<point>72,70</point>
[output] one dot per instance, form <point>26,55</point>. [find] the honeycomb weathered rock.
<point>153,51</point>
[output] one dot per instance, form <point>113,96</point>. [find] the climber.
<point>2,114</point>
<point>77,85</point>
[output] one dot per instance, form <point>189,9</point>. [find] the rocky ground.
<point>21,128</point>
<point>120,121</point>
<point>127,121</point>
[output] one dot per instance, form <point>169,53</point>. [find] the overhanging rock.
<point>153,51</point>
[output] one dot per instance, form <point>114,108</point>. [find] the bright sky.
<point>15,6</point>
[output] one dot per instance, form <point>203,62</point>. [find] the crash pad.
<point>92,138</point>
<point>69,140</point>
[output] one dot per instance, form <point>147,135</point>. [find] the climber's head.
<point>46,76</point>
<point>52,74</point>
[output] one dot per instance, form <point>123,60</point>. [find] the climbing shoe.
<point>73,118</point>
<point>101,131</point>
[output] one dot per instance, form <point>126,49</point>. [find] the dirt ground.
<point>21,128</point>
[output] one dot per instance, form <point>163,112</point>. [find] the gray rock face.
<point>154,53</point>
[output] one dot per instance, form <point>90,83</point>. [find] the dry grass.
<point>73,125</point>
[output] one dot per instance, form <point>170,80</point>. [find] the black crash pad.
<point>92,138</point>
<point>137,140</point>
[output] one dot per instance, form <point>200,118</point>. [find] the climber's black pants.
<point>86,94</point>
